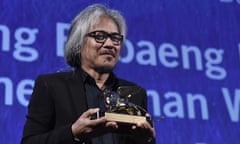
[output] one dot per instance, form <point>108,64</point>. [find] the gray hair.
<point>80,27</point>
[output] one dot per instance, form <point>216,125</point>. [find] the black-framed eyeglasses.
<point>101,37</point>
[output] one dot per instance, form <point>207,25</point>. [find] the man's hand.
<point>85,126</point>
<point>143,133</point>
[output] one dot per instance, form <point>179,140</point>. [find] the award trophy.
<point>120,109</point>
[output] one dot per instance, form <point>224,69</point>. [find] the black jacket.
<point>56,102</point>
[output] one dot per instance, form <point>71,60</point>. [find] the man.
<point>63,104</point>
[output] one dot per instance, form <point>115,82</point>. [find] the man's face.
<point>100,56</point>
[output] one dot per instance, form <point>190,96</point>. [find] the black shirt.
<point>95,99</point>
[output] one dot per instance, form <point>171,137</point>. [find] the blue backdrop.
<point>186,53</point>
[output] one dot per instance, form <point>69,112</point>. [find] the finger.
<point>90,112</point>
<point>98,121</point>
<point>147,115</point>
<point>149,119</point>
<point>134,127</point>
<point>112,125</point>
<point>146,126</point>
<point>153,132</point>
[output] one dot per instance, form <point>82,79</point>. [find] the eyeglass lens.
<point>101,37</point>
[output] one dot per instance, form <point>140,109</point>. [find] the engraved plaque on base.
<point>124,118</point>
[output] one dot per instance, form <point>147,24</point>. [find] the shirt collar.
<point>110,83</point>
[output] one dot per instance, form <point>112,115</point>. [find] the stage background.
<point>186,53</point>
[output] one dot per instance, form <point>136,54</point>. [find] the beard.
<point>104,69</point>
<point>107,65</point>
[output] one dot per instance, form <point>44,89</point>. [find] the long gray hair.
<point>80,27</point>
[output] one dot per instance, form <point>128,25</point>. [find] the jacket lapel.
<point>76,88</point>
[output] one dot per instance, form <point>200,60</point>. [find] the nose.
<point>109,42</point>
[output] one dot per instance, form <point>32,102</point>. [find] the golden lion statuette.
<point>120,109</point>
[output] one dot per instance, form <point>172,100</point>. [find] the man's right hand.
<point>84,127</point>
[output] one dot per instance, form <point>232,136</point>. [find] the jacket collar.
<point>75,85</point>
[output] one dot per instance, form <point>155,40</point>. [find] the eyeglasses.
<point>101,37</point>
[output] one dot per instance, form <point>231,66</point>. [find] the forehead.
<point>104,23</point>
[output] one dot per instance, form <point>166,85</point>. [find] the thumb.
<point>90,112</point>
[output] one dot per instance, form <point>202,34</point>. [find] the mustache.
<point>108,52</point>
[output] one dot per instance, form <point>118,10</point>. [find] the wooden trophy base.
<point>125,118</point>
